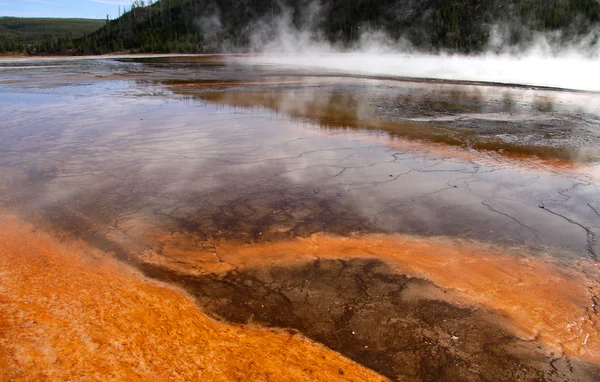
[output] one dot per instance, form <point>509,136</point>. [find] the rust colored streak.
<point>491,158</point>
<point>68,311</point>
<point>553,303</point>
<point>338,113</point>
<point>230,83</point>
<point>188,59</point>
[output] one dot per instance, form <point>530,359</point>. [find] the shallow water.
<point>176,164</point>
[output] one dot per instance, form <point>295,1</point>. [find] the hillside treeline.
<point>18,34</point>
<point>463,26</point>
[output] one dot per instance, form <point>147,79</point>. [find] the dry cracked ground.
<point>199,218</point>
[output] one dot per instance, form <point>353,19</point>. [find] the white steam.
<point>568,72</point>
<point>210,25</point>
<point>546,61</point>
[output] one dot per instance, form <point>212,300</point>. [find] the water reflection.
<point>257,175</point>
<point>479,125</point>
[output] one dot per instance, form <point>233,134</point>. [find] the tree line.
<point>464,26</point>
<point>19,34</point>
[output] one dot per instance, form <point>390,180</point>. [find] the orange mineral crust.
<point>69,312</point>
<point>543,299</point>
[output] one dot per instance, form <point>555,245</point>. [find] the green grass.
<point>33,30</point>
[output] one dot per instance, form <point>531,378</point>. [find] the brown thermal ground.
<point>69,312</point>
<point>552,303</point>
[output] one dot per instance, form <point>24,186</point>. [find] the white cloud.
<point>40,2</point>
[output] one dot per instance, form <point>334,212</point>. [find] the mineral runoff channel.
<point>199,218</point>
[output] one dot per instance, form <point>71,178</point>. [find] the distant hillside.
<point>225,25</point>
<point>15,31</point>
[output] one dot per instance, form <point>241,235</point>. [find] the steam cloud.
<point>545,61</point>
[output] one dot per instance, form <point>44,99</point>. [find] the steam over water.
<point>568,72</point>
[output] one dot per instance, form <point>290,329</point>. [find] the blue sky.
<point>95,9</point>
